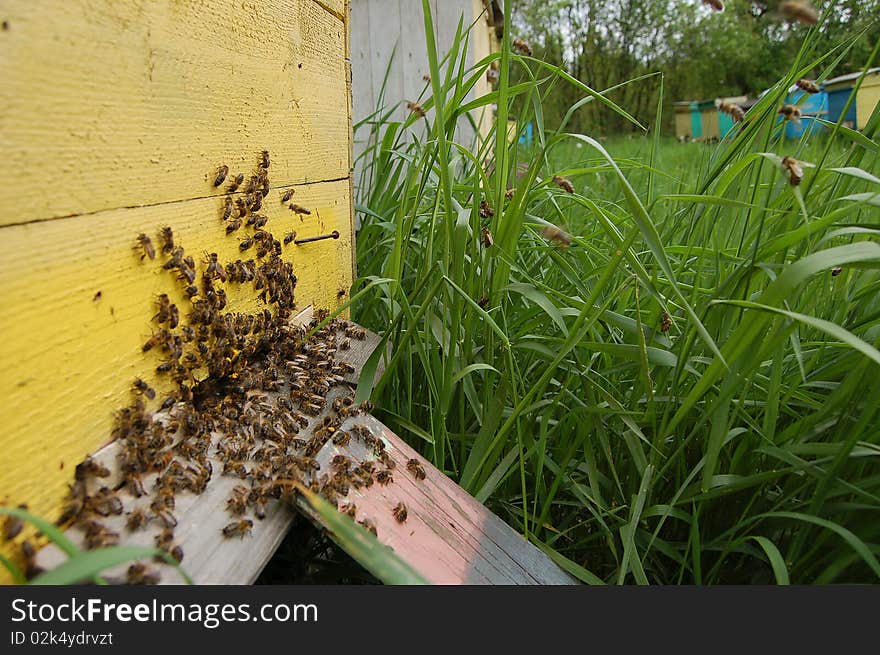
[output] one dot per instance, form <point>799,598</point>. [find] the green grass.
<point>742,445</point>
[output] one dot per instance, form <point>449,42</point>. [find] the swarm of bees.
<point>801,11</point>
<point>792,168</point>
<point>249,400</point>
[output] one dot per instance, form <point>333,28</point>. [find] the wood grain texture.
<point>70,359</point>
<point>208,557</point>
<point>127,103</point>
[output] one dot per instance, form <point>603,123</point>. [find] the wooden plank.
<point>70,358</point>
<point>208,557</point>
<point>118,104</point>
<point>448,536</point>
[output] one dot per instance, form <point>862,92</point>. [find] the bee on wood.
<point>297,209</point>
<point>259,221</point>
<point>289,237</point>
<point>166,238</point>
<point>97,296</point>
<point>166,517</point>
<point>160,338</point>
<point>734,111</point>
<point>134,486</point>
<point>557,235</point>
<point>264,159</point>
<point>89,468</point>
<point>142,388</point>
<point>238,529</point>
<point>563,184</point>
<point>256,203</point>
<point>242,207</point>
<point>176,259</point>
<point>399,512</point>
<point>665,322</point>
<point>235,183</point>
<point>164,305</point>
<point>837,270</point>
<point>233,225</point>
<point>221,175</point>
<point>416,108</point>
<point>369,525</point>
<point>790,113</point>
<point>287,195</point>
<point>146,245</point>
<point>792,168</point>
<point>522,47</point>
<point>486,238</point>
<point>237,502</point>
<point>715,5</point>
<point>807,85</point>
<point>348,508</point>
<point>246,243</point>
<point>13,526</point>
<point>140,574</point>
<point>29,554</point>
<point>227,208</point>
<point>415,467</point>
<point>384,477</point>
<point>99,536</point>
<point>215,269</point>
<point>137,519</point>
<point>799,10</point>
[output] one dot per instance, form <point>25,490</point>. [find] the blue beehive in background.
<point>812,106</point>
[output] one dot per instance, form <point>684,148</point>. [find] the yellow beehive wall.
<point>114,114</point>
<point>867,99</point>
<point>683,123</point>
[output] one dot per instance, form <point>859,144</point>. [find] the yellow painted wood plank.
<point>69,358</point>
<point>119,103</point>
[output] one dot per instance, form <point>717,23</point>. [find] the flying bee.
<point>790,113</point>
<point>486,238</point>
<point>264,161</point>
<point>522,47</point>
<point>486,210</point>
<point>146,245</point>
<point>416,108</point>
<point>837,270</point>
<point>297,209</point>
<point>399,512</point>
<point>426,78</point>
<point>716,5</point>
<point>415,467</point>
<point>792,167</point>
<point>799,10</point>
<point>166,237</point>
<point>290,236</point>
<point>287,195</point>
<point>563,184</point>
<point>508,194</point>
<point>142,388</point>
<point>235,183</point>
<point>557,235</point>
<point>221,175</point>
<point>238,529</point>
<point>233,225</point>
<point>140,574</point>
<point>665,322</point>
<point>807,85</point>
<point>734,111</point>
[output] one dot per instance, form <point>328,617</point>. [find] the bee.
<point>483,301</point>
<point>221,175</point>
<point>799,10</point>
<point>297,209</point>
<point>137,519</point>
<point>348,508</point>
<point>287,195</point>
<point>264,161</point>
<point>837,270</point>
<point>716,5</point>
<point>259,221</point>
<point>227,208</point>
<point>807,85</point>
<point>142,388</point>
<point>242,207</point>
<point>215,269</point>
<point>29,554</point>
<point>235,183</point>
<point>486,210</point>
<point>246,243</point>
<point>665,322</point>
<point>146,245</point>
<point>508,194</point>
<point>233,225</point>
<point>98,536</point>
<point>290,236</point>
<point>237,502</point>
<point>790,113</point>
<point>415,467</point>
<point>426,78</point>
<point>734,111</point>
<point>166,517</point>
<point>164,305</point>
<point>140,574</point>
<point>486,238</point>
<point>522,47</point>
<point>238,529</point>
<point>160,338</point>
<point>12,527</point>
<point>369,525</point>
<point>89,468</point>
<point>399,512</point>
<point>174,317</point>
<point>563,184</point>
<point>97,296</point>
<point>416,108</point>
<point>557,235</point>
<point>384,477</point>
<point>166,237</point>
<point>792,167</point>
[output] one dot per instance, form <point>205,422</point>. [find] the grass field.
<point>741,444</point>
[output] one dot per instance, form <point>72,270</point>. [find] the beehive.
<point>115,117</point>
